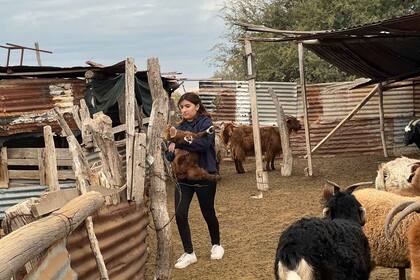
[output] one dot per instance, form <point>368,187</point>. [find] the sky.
<point>180,33</point>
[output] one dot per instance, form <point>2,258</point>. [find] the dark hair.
<point>194,99</point>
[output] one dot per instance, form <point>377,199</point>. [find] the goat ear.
<point>351,188</point>
<point>415,166</point>
<point>326,212</point>
<point>327,194</point>
<point>336,189</point>
<point>172,132</point>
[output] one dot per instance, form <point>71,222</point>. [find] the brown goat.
<point>185,163</point>
<point>241,142</point>
<point>413,233</point>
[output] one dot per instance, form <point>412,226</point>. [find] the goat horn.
<point>415,122</point>
<point>335,185</point>
<point>403,205</point>
<point>210,130</point>
<point>359,184</point>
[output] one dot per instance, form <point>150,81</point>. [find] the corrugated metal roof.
<point>328,104</point>
<point>121,232</point>
<point>26,104</point>
<point>384,50</point>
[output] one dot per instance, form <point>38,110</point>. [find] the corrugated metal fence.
<point>328,104</point>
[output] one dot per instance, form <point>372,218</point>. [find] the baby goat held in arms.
<point>185,164</point>
<point>333,247</point>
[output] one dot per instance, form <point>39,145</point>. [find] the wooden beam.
<point>20,246</point>
<point>53,200</point>
<point>305,109</point>
<point>129,118</point>
<point>287,167</point>
<point>382,119</point>
<point>4,172</point>
<point>348,117</point>
<point>261,175</point>
<point>51,174</point>
<point>158,198</point>
<point>139,167</point>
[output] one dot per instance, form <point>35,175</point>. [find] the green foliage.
<point>279,61</point>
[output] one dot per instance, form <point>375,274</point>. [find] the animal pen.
<point>385,52</point>
<point>78,208</point>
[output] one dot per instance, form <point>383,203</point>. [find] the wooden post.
<point>51,174</point>
<point>287,167</point>
<point>382,118</point>
<point>348,117</point>
<point>139,167</point>
<point>20,246</point>
<point>86,134</point>
<point>4,172</point>
<point>262,177</point>
<point>129,118</point>
<point>121,108</point>
<point>305,108</point>
<point>158,199</point>
<point>83,174</point>
<point>41,167</point>
<point>101,129</point>
<point>38,54</point>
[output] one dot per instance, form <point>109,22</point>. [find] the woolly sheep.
<point>394,174</point>
<point>392,253</point>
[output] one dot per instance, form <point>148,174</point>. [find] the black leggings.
<point>206,191</point>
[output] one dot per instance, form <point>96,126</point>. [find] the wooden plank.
<point>24,174</point>
<point>4,172</point>
<point>261,175</point>
<point>86,135</point>
<point>51,176</point>
<point>129,118</point>
<point>139,167</point>
<point>52,201</point>
<point>20,153</point>
<point>382,119</point>
<point>41,167</point>
<point>305,109</point>
<point>24,161</point>
<point>66,175</point>
<point>121,108</point>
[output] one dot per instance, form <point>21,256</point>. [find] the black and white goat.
<point>333,247</point>
<point>412,133</point>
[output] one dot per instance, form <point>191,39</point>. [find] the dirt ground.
<point>250,228</point>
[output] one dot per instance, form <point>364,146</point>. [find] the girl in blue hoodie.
<point>195,118</point>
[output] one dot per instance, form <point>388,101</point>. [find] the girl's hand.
<point>171,147</point>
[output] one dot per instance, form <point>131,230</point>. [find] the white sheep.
<point>394,174</point>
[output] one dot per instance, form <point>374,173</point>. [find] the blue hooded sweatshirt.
<point>204,147</point>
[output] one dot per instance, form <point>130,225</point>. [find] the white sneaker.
<point>185,260</point>
<point>217,252</point>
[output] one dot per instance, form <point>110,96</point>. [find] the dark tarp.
<point>103,94</point>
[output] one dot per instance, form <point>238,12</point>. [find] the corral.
<point>250,228</point>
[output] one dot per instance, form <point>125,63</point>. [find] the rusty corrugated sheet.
<point>229,100</point>
<point>26,104</point>
<point>328,104</point>
<point>55,265</point>
<point>121,232</point>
